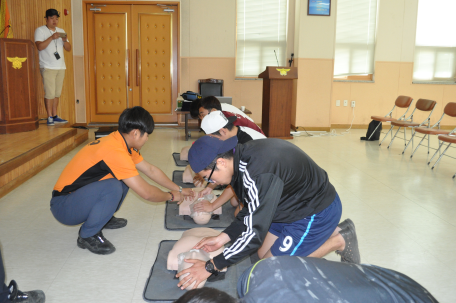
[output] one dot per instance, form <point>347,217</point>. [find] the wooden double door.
<point>132,55</point>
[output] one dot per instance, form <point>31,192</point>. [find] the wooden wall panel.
<point>26,16</point>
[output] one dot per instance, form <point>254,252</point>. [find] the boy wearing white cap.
<point>217,125</point>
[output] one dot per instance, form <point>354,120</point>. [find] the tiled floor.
<point>404,213</point>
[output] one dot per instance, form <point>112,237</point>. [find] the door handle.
<point>138,68</point>
<point>128,67</point>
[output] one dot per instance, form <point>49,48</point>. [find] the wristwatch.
<point>180,189</point>
<point>210,268</point>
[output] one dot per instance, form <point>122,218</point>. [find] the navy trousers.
<point>3,289</point>
<point>93,205</point>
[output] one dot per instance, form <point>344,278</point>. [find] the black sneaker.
<point>33,296</point>
<point>346,223</point>
<point>97,244</point>
<point>351,252</point>
<point>115,223</point>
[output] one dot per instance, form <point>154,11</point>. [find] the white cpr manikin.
<point>187,241</point>
<point>184,153</point>
<point>184,207</point>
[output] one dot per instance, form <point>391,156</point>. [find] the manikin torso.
<point>187,241</point>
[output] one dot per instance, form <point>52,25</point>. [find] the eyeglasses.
<point>209,178</point>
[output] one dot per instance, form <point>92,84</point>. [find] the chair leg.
<point>411,140</point>
<point>374,131</point>
<point>438,150</point>
<point>394,137</point>
<point>429,142</point>
<point>387,135</point>
<point>441,156</point>
<point>405,135</point>
<point>418,145</point>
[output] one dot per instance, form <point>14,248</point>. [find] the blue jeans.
<point>94,205</point>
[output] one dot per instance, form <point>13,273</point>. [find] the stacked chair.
<point>424,105</point>
<point>449,110</point>
<point>425,128</point>
<point>401,102</point>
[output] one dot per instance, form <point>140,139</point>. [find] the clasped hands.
<point>197,272</point>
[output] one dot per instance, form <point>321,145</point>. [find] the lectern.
<point>277,95</point>
<point>18,104</point>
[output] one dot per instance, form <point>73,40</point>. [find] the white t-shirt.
<point>233,109</point>
<point>253,133</point>
<point>47,57</point>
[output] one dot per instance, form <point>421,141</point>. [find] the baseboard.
<point>309,128</point>
<point>347,126</point>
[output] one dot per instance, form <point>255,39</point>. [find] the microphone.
<point>291,59</point>
<point>276,59</point>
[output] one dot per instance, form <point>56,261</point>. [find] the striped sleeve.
<point>250,227</point>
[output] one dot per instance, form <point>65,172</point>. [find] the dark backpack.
<point>374,129</point>
<point>191,96</point>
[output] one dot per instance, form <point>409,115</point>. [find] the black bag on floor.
<point>373,127</point>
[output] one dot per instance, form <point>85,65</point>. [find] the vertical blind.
<point>355,37</point>
<point>261,29</point>
<point>435,46</point>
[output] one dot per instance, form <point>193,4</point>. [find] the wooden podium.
<point>277,95</point>
<point>18,105</point>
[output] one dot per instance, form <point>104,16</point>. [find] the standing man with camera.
<point>51,41</point>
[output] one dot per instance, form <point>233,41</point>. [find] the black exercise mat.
<point>161,286</point>
<point>175,222</point>
<point>178,161</point>
<point>177,178</point>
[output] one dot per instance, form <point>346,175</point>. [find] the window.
<point>435,46</point>
<point>261,29</point>
<point>355,38</point>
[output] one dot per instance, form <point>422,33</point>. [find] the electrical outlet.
<point>345,102</point>
<point>353,104</point>
<point>337,102</point>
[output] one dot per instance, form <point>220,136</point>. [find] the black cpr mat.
<point>177,178</point>
<point>178,161</point>
<point>162,284</point>
<point>175,222</point>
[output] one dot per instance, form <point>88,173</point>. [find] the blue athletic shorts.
<point>303,237</point>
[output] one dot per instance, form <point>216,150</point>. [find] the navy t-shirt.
<point>298,279</point>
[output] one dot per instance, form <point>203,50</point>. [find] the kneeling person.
<point>291,207</point>
<point>95,182</point>
<point>217,125</point>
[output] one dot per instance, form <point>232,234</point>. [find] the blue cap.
<point>206,149</point>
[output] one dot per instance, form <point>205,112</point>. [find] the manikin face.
<point>222,174</point>
<point>52,21</point>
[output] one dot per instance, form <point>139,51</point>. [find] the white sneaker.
<point>50,121</point>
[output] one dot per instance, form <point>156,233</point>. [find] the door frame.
<point>86,41</point>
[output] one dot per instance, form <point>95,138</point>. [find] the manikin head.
<point>212,159</point>
<point>217,125</point>
<point>135,125</point>
<point>52,18</point>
